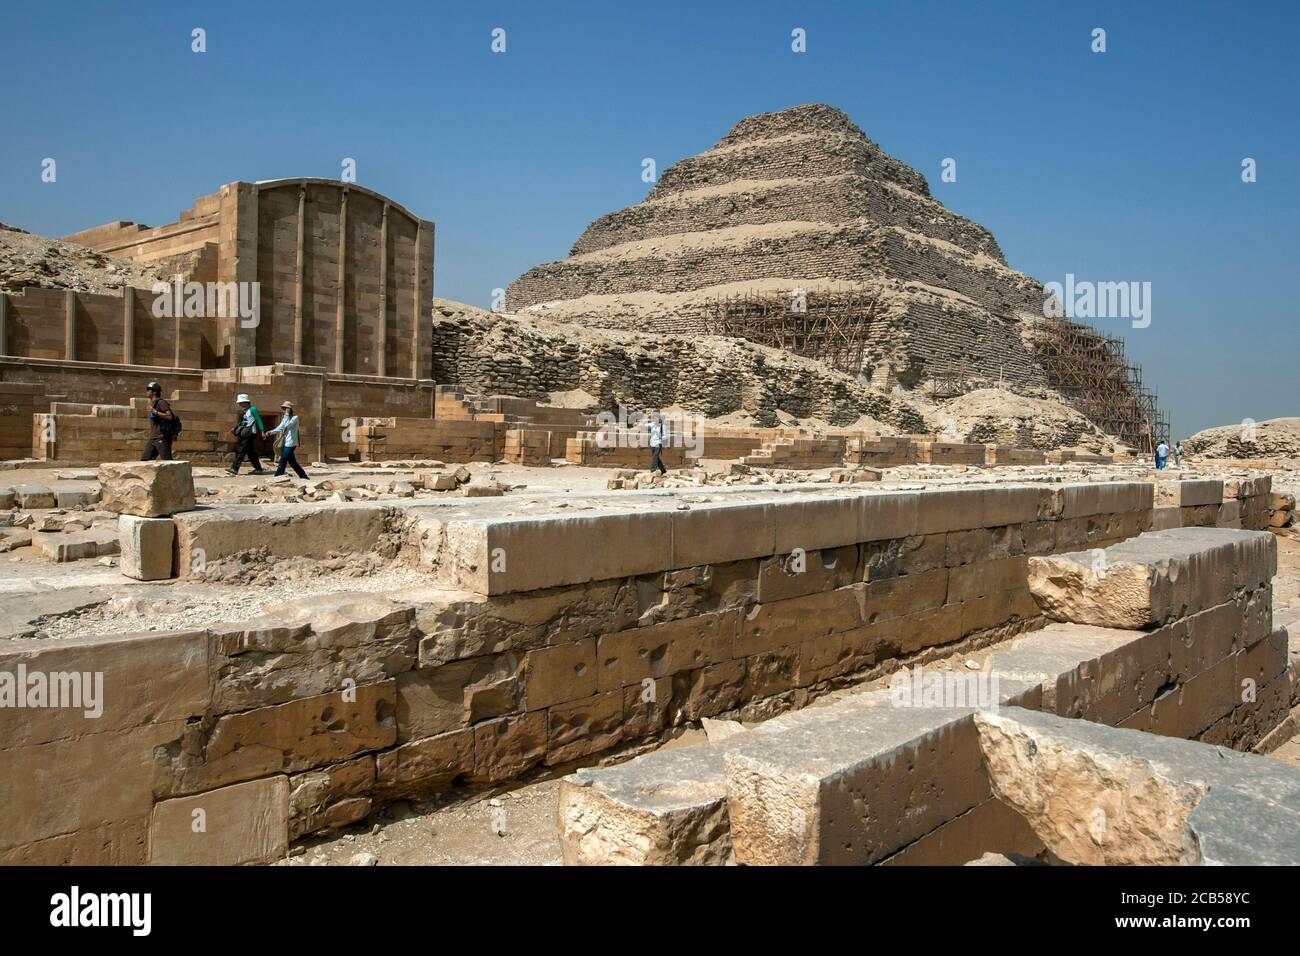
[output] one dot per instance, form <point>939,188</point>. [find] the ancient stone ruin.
<point>857,620</point>
<point>798,232</point>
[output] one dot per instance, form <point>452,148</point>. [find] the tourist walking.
<point>248,428</point>
<point>1162,454</point>
<point>163,425</point>
<point>288,441</point>
<point>1178,454</point>
<point>657,443</point>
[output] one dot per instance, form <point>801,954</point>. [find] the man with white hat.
<point>288,430</point>
<point>246,431</point>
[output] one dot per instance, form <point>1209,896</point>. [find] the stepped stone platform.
<point>879,777</point>
<point>490,641</point>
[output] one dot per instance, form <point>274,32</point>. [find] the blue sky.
<point>1117,166</point>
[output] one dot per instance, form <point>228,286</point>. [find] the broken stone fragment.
<point>149,489</point>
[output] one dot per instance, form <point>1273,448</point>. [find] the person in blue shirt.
<point>1162,454</point>
<point>288,430</point>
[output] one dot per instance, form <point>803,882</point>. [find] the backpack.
<point>170,428</point>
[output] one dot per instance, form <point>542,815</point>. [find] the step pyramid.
<point>802,199</point>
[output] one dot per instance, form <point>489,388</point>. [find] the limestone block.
<point>631,656</point>
<point>1152,579</point>
<point>312,646</point>
<point>520,622</point>
<point>146,546</point>
<point>558,674</point>
<point>284,530</point>
<point>990,827</point>
<point>425,766</point>
<point>1186,494</point>
<point>987,577</point>
<point>665,808</point>
<point>508,746</point>
<point>331,797</point>
<point>287,738</point>
<point>852,789</point>
<point>721,533</point>
<point>1094,498</point>
<point>954,510</point>
<point>521,554</point>
<point>1098,795</point>
<point>904,595</point>
<point>794,575</point>
<point>1191,707</point>
<point>70,496</point>
<point>1010,504</point>
<point>1201,640</point>
<point>134,679</point>
<point>885,516</point>
<point>714,689</point>
<point>648,708</point>
<point>244,823</point>
<point>149,489</point>
<point>32,497</point>
<point>76,784</point>
<point>584,727</point>
<point>770,627</point>
<point>1165,517</point>
<point>75,546</point>
<point>433,700</point>
<point>121,843</point>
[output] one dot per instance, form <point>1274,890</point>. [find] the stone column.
<point>128,326</point>
<point>70,326</point>
<point>341,297</point>
<point>4,324</point>
<point>298,287</point>
<point>381,328</point>
<point>422,333</point>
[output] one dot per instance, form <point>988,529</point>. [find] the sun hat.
<point>243,398</point>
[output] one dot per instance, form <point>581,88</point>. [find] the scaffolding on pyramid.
<point>1094,374</point>
<point>829,328</point>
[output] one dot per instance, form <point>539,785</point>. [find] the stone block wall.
<point>115,427</point>
<point>94,327</point>
<point>891,777</point>
<point>581,634</point>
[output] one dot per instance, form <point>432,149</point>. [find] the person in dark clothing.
<point>248,429</point>
<point>159,444</point>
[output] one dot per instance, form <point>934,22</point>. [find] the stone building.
<point>340,283</point>
<point>343,272</point>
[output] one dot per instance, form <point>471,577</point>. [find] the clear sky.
<point>1115,166</point>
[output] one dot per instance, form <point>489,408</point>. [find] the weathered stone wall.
<point>108,421</point>
<point>90,327</point>
<point>909,776</point>
<point>599,629</point>
<point>489,353</point>
<point>836,199</point>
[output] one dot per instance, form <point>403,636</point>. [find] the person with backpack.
<point>288,440</point>
<point>164,425</point>
<point>248,428</point>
